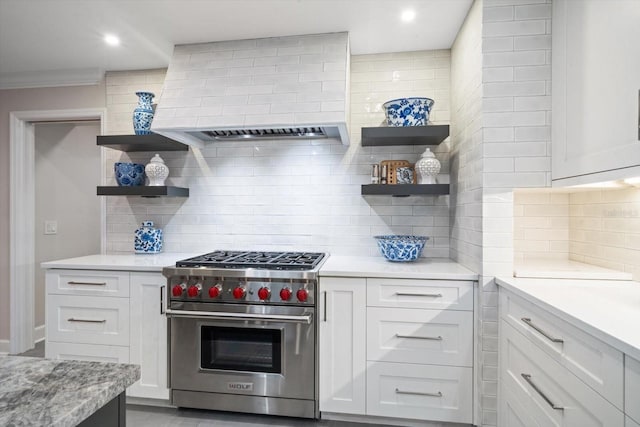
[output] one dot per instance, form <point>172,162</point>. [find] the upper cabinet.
<point>596,91</point>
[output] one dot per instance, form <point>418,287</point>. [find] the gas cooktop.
<point>255,259</point>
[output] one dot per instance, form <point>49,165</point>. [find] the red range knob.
<point>239,292</point>
<point>177,290</point>
<point>302,295</point>
<point>214,291</point>
<point>264,293</point>
<point>193,291</point>
<point>285,294</point>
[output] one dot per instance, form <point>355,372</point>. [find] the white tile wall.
<point>299,195</point>
<point>604,229</point>
<point>294,80</point>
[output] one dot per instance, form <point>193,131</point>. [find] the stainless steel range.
<point>242,332</point>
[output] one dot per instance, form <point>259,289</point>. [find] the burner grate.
<point>255,259</point>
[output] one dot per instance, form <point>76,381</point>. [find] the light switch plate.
<point>51,227</point>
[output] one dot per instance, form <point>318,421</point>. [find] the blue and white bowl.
<point>129,174</point>
<point>408,111</point>
<point>401,248</point>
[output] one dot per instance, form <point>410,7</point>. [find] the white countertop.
<point>606,309</point>
<point>423,268</point>
<point>132,262</point>
<point>566,269</point>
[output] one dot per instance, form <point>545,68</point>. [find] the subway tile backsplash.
<point>300,195</point>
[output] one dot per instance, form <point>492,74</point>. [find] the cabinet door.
<point>149,335</point>
<point>595,96</point>
<point>553,395</point>
<point>632,387</point>
<point>342,345</point>
<point>87,352</point>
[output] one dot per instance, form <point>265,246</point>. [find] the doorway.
<point>67,210</point>
<point>22,247</point>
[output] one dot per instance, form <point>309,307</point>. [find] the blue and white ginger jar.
<point>143,114</point>
<point>148,239</point>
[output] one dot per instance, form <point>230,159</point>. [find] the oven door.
<point>243,349</point>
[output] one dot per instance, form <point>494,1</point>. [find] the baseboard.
<point>38,334</point>
<point>4,347</point>
<point>385,421</point>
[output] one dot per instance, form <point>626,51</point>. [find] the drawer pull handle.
<point>537,328</point>
<point>417,337</point>
<point>409,294</point>
<point>527,378</point>
<point>73,319</point>
<point>88,283</point>
<point>419,393</point>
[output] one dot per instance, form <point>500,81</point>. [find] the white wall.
<point>68,168</point>
<point>30,100</point>
<point>297,195</point>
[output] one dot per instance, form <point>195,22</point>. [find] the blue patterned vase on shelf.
<point>148,239</point>
<point>143,114</point>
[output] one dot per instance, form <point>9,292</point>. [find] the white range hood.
<point>282,87</point>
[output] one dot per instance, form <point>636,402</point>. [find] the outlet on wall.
<point>50,227</point>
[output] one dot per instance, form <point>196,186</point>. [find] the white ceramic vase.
<point>427,168</point>
<point>156,171</point>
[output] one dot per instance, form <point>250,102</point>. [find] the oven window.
<point>241,349</point>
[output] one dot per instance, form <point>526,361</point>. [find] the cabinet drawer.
<point>88,352</point>
<point>437,337</point>
<point>553,395</point>
<point>632,388</point>
<point>88,320</point>
<point>424,392</point>
<point>88,282</point>
<point>594,362</point>
<point>406,293</point>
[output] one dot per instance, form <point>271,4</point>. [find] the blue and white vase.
<point>148,239</point>
<point>143,114</point>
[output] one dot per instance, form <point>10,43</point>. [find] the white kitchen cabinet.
<point>597,364</point>
<point>410,293</point>
<point>595,96</point>
<point>88,320</point>
<point>422,392</point>
<point>437,337</point>
<point>342,316</point>
<point>148,332</point>
<point>110,316</point>
<point>628,422</point>
<point>632,388</point>
<point>87,352</point>
<point>552,395</point>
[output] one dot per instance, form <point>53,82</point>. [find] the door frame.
<point>22,215</point>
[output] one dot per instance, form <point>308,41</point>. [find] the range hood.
<point>278,88</point>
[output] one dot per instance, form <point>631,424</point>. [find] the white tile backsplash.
<point>296,195</point>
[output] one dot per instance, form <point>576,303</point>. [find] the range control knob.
<point>264,293</point>
<point>239,292</point>
<point>194,290</point>
<point>177,290</point>
<point>302,295</point>
<point>215,291</point>
<point>285,294</point>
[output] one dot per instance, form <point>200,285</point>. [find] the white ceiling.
<point>46,42</point>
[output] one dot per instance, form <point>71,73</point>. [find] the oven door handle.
<point>221,315</point>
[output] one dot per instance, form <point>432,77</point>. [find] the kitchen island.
<point>61,393</point>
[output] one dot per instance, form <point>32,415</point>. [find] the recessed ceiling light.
<point>408,15</point>
<point>111,40</point>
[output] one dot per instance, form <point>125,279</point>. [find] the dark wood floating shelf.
<point>401,190</point>
<point>144,191</point>
<point>131,143</point>
<point>409,135</point>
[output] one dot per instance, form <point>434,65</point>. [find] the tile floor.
<point>149,416</point>
<point>146,416</point>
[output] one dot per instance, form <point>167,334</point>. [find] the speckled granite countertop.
<point>60,393</point>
